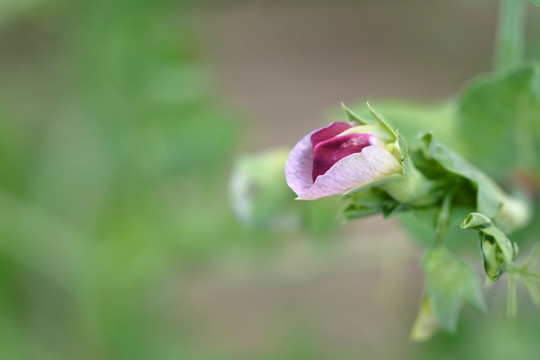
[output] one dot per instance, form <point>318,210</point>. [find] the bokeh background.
<point>120,126</point>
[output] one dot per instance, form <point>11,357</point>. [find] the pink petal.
<point>299,165</point>
<point>372,163</point>
<point>298,169</point>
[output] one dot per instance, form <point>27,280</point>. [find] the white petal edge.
<point>299,165</point>
<point>374,162</point>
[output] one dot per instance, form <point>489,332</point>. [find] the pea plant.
<point>481,175</point>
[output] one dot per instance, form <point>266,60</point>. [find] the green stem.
<point>444,215</point>
<point>511,306</point>
<point>510,47</point>
<point>532,275</point>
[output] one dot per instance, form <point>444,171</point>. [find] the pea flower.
<point>338,158</point>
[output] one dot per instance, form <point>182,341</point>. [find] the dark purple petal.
<point>328,132</point>
<point>327,153</point>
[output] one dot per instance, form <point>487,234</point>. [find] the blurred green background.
<point>119,125</point>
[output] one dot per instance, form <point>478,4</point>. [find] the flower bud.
<point>338,158</point>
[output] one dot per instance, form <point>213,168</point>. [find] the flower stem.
<point>510,47</point>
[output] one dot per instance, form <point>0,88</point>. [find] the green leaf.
<point>492,265</point>
<point>536,2</point>
<point>489,196</point>
<point>421,224</point>
<point>449,283</point>
<point>425,325</point>
<point>508,213</point>
<point>498,121</point>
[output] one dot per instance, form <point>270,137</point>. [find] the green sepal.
<point>412,118</point>
<point>352,212</point>
<point>369,203</point>
<point>355,117</point>
<point>382,121</point>
<point>408,186</point>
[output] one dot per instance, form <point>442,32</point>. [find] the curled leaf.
<point>490,232</point>
<point>497,250</point>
